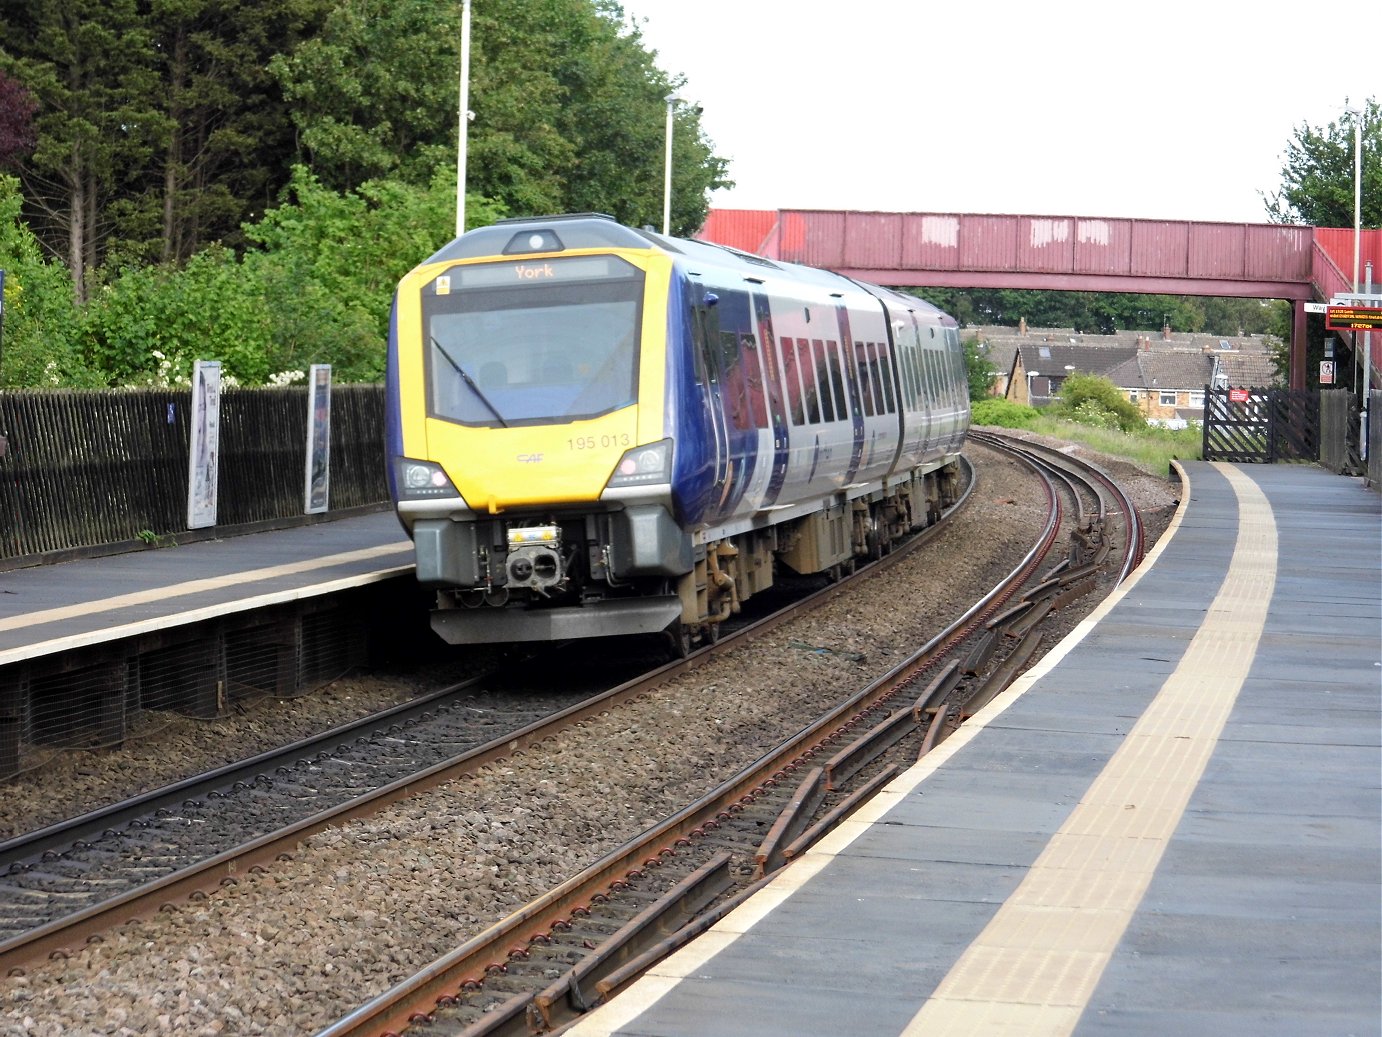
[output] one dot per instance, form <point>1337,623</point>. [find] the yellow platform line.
<point>179,590</point>
<point>1034,967</point>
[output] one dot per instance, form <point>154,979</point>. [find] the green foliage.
<point>981,373</point>
<point>1091,400</point>
<point>1150,448</point>
<point>38,336</point>
<point>1317,180</point>
<point>1002,413</point>
<point>364,105</point>
<point>149,323</point>
<point>1097,313</point>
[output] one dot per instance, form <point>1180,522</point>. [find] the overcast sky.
<point>1173,110</point>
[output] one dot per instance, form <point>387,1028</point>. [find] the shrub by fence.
<point>84,469</point>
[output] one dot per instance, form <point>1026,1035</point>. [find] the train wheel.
<point>678,639</point>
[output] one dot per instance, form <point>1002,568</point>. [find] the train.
<point>595,430</point>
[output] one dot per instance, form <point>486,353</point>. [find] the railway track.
<point>556,932</point>
<point>544,966</point>
<point>64,884</point>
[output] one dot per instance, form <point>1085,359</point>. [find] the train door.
<point>856,411</point>
<point>705,324</point>
<point>772,380</point>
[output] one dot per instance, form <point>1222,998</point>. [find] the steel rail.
<point>467,965</point>
<point>63,936</point>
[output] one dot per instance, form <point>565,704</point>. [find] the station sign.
<point>1316,307</point>
<point>1353,318</point>
<point>1239,395</point>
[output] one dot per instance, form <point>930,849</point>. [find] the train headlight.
<point>644,465</point>
<point>422,479</point>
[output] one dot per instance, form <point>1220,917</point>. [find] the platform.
<point>1173,824</point>
<point>53,608</point>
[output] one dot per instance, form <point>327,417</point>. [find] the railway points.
<point>1169,825</point>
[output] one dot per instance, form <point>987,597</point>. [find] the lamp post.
<point>1030,376</point>
<point>1357,114</point>
<point>463,116</point>
<point>667,171</point>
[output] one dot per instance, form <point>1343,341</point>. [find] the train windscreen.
<point>532,341</point>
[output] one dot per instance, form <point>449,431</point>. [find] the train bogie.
<point>595,430</point>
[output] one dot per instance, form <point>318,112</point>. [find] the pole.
<point>2,310</point>
<point>667,175</point>
<point>1357,188</point>
<point>1367,383</point>
<point>463,118</point>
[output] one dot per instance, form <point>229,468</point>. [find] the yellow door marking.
<point>1035,966</point>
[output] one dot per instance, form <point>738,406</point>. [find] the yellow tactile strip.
<point>1034,967</point>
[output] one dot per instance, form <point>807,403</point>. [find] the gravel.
<point>363,906</point>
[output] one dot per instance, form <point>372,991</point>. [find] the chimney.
<point>1166,332</point>
<point>1022,326</point>
<point>1145,341</point>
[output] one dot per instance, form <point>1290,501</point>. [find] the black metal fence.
<point>82,469</point>
<point>1261,425</point>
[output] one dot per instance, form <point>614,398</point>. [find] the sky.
<point>1171,110</point>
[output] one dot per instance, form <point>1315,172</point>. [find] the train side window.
<point>913,376</point>
<point>861,366</point>
<point>837,379</point>
<point>885,378</point>
<point>823,390</point>
<point>875,377</point>
<point>791,375</point>
<point>753,379</point>
<point>806,367</point>
<point>735,387</point>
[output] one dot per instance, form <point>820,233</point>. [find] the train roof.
<point>527,234</point>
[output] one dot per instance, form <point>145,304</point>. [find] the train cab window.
<point>517,343</point>
<point>823,390</point>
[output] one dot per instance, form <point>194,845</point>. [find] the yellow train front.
<point>595,431</point>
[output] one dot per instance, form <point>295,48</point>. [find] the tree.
<point>365,106</point>
<point>17,108</point>
<point>88,64</point>
<point>221,156</point>
<point>40,344</point>
<point>569,108</point>
<point>981,373</point>
<point>1317,185</point>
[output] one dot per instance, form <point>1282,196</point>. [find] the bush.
<point>40,343</point>
<point>1002,413</point>
<point>1091,400</point>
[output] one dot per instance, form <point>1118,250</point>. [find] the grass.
<point>1151,450</point>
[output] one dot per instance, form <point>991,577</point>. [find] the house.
<point>1165,376</point>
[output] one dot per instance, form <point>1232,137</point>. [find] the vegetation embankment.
<point>1093,414</point>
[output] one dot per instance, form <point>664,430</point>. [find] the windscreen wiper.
<point>465,377</point>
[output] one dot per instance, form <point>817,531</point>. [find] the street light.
<point>1357,114</point>
<point>667,171</point>
<point>1030,376</point>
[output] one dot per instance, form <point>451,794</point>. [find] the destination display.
<point>1353,318</point>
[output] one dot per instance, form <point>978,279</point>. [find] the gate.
<point>1261,425</point>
